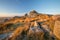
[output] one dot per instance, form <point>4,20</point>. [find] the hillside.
<point>32,26</point>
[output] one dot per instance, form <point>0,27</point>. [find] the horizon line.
<point>22,14</point>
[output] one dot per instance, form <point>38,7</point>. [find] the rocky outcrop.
<point>35,32</point>
<point>33,13</point>
<point>33,26</point>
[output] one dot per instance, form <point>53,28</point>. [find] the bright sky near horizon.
<point>20,7</point>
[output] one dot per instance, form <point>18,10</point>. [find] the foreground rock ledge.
<point>57,29</point>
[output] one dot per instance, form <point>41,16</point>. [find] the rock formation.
<point>57,29</point>
<point>32,26</point>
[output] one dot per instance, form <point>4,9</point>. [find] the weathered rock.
<point>35,33</point>
<point>57,29</point>
<point>33,13</point>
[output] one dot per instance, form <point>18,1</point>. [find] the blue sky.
<point>20,7</point>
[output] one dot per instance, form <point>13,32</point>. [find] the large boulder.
<point>57,29</point>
